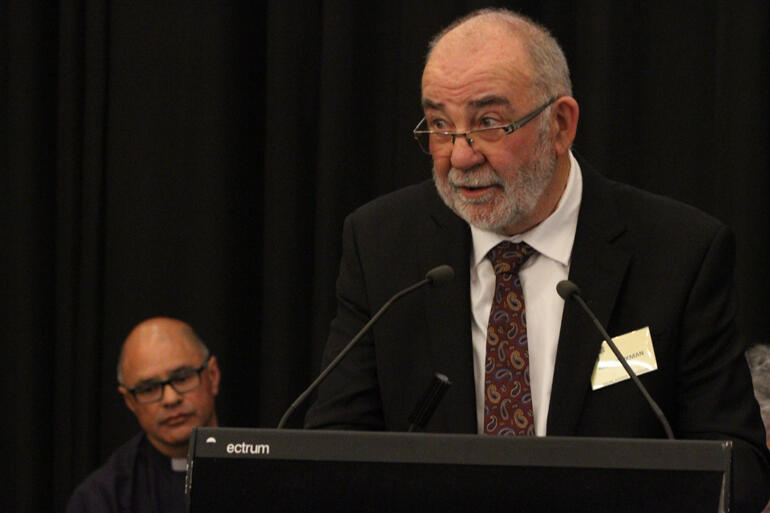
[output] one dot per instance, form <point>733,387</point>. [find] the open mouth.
<point>475,191</point>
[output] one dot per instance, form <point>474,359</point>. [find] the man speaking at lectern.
<point>513,211</point>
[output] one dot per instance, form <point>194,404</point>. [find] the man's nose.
<point>464,156</point>
<point>169,395</point>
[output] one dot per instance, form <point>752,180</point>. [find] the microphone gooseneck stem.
<point>655,408</point>
<point>346,350</point>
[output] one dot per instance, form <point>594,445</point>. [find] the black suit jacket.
<point>639,259</point>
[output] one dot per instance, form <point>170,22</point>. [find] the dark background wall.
<point>196,159</point>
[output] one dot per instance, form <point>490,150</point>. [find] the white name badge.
<point>637,349</point>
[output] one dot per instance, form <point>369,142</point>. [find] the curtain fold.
<point>81,123</point>
<point>28,151</point>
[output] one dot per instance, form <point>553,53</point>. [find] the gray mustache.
<point>473,178</point>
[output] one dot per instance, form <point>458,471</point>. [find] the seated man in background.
<point>759,364</point>
<point>147,473</point>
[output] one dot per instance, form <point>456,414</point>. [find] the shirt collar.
<point>553,237</point>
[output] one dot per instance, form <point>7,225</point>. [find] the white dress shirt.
<point>552,239</point>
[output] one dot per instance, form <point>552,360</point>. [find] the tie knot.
<point>508,257</point>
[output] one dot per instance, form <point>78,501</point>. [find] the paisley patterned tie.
<point>507,394</point>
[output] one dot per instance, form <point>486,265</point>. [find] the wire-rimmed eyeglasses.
<point>439,143</point>
<point>181,380</point>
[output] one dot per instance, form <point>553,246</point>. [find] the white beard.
<point>494,211</point>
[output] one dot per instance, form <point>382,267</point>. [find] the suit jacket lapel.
<point>597,267</point>
<point>447,240</point>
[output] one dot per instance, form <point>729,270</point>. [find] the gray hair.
<point>549,65</point>
<point>758,357</point>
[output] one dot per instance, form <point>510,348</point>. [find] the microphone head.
<point>440,275</point>
<point>567,289</point>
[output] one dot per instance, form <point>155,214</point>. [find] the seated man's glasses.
<point>439,143</point>
<point>182,381</point>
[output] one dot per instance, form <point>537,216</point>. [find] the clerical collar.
<point>179,464</point>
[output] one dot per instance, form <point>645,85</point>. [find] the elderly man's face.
<point>495,186</point>
<point>169,421</point>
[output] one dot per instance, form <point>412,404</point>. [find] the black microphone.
<point>568,290</point>
<point>435,277</point>
<point>427,405</point>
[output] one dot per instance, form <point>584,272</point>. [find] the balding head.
<point>159,330</point>
<point>487,31</point>
<point>166,355</point>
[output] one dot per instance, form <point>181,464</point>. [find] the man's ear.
<point>564,116</point>
<point>127,398</point>
<point>214,375</point>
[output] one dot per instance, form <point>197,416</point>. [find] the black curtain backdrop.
<point>196,159</point>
